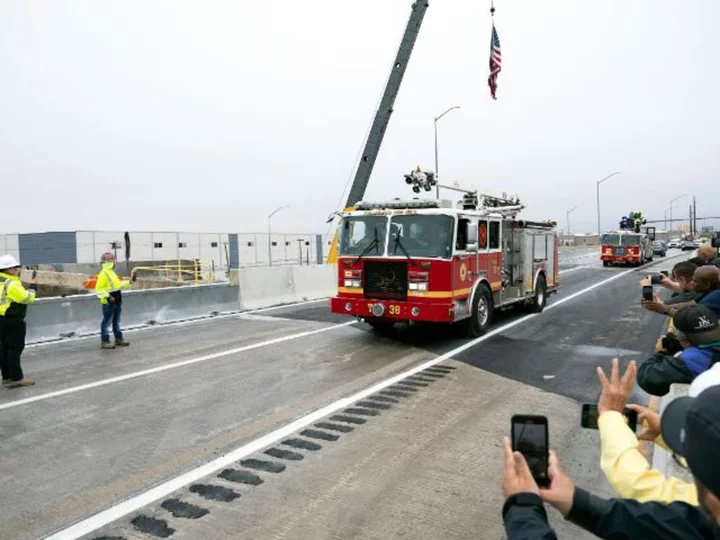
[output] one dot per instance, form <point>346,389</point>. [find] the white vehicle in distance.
<point>674,243</point>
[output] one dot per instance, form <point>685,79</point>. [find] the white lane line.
<point>573,269</point>
<point>133,504</point>
<point>196,320</point>
<point>190,361</point>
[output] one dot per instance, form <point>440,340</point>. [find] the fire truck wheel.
<point>540,298</point>
<point>482,312</point>
<point>606,263</point>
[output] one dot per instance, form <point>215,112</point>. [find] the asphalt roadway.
<point>295,423</point>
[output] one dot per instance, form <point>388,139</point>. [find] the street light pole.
<point>568,217</point>
<point>436,144</point>
<point>270,231</point>
<point>598,199</point>
<point>671,207</point>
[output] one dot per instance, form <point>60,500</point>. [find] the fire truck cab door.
<point>465,261</point>
<point>490,259</point>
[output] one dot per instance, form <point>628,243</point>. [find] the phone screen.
<point>590,416</point>
<point>530,438</point>
<point>647,293</point>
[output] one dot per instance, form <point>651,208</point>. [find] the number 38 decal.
<point>394,309</point>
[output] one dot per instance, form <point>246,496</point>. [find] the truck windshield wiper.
<point>372,245</point>
<point>398,244</point>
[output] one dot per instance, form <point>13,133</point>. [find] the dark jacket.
<point>618,519</point>
<point>657,373</point>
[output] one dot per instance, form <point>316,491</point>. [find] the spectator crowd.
<point>649,505</point>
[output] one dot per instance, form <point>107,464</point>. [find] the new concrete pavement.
<point>420,458</point>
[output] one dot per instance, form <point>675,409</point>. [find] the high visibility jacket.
<point>629,472</point>
<point>108,282</point>
<point>14,298</point>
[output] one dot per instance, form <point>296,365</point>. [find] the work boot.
<point>121,343</point>
<point>21,382</point>
<point>107,345</point>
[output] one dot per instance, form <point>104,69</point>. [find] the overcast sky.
<point>205,116</point>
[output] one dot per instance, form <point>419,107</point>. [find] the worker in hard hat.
<point>108,289</point>
<point>14,300</point>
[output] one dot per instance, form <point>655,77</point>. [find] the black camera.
<point>671,344</point>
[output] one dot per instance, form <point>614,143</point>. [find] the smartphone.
<point>647,292</point>
<point>656,279</point>
<point>529,435</point>
<point>590,414</point>
<point>665,273</point>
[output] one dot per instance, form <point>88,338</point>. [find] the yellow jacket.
<point>629,472</point>
<point>108,281</point>
<point>12,291</point>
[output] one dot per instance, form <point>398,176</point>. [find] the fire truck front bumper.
<point>394,310</point>
<point>619,259</point>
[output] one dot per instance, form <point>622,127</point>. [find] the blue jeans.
<point>111,313</point>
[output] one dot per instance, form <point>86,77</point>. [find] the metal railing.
<point>182,271</point>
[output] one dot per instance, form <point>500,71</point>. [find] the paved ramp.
<point>246,427</point>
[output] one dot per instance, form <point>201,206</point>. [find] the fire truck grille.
<point>386,279</point>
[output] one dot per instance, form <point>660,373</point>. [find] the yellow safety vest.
<point>12,290</point>
<point>108,282</point>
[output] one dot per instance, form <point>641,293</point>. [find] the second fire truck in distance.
<point>433,261</point>
<point>625,246</point>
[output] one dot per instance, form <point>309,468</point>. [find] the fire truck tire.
<point>606,263</point>
<point>482,313</point>
<point>540,297</point>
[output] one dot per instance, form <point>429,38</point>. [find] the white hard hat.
<point>8,261</point>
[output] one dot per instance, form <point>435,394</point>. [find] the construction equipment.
<point>382,116</point>
<point>428,260</point>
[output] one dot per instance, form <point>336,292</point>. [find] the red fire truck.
<point>426,260</point>
<point>625,246</point>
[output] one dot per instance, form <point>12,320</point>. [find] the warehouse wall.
<point>242,249</point>
<point>39,248</point>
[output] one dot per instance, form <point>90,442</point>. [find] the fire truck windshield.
<point>621,240</point>
<point>421,236</point>
<point>363,235</point>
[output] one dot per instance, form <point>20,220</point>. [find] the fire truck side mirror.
<point>472,233</point>
<point>472,237</point>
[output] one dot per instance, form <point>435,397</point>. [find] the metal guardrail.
<point>182,271</point>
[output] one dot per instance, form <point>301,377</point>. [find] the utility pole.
<point>694,216</point>
<point>568,217</point>
<point>436,144</point>
<point>270,257</point>
<point>598,200</point>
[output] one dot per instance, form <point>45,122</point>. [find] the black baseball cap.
<point>690,426</point>
<point>698,324</point>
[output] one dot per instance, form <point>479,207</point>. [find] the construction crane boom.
<point>382,116</point>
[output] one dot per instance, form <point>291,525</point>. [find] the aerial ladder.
<point>382,116</point>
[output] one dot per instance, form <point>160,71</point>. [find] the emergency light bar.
<point>398,204</point>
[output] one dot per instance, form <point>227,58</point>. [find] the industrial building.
<point>234,250</point>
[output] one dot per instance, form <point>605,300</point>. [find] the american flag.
<point>495,59</point>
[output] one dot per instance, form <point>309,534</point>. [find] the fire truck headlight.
<point>415,311</point>
<point>422,286</point>
<point>348,307</point>
<point>352,283</point>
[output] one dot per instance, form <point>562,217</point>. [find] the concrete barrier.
<point>57,318</point>
<point>313,282</point>
<point>266,287</point>
<point>252,288</point>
